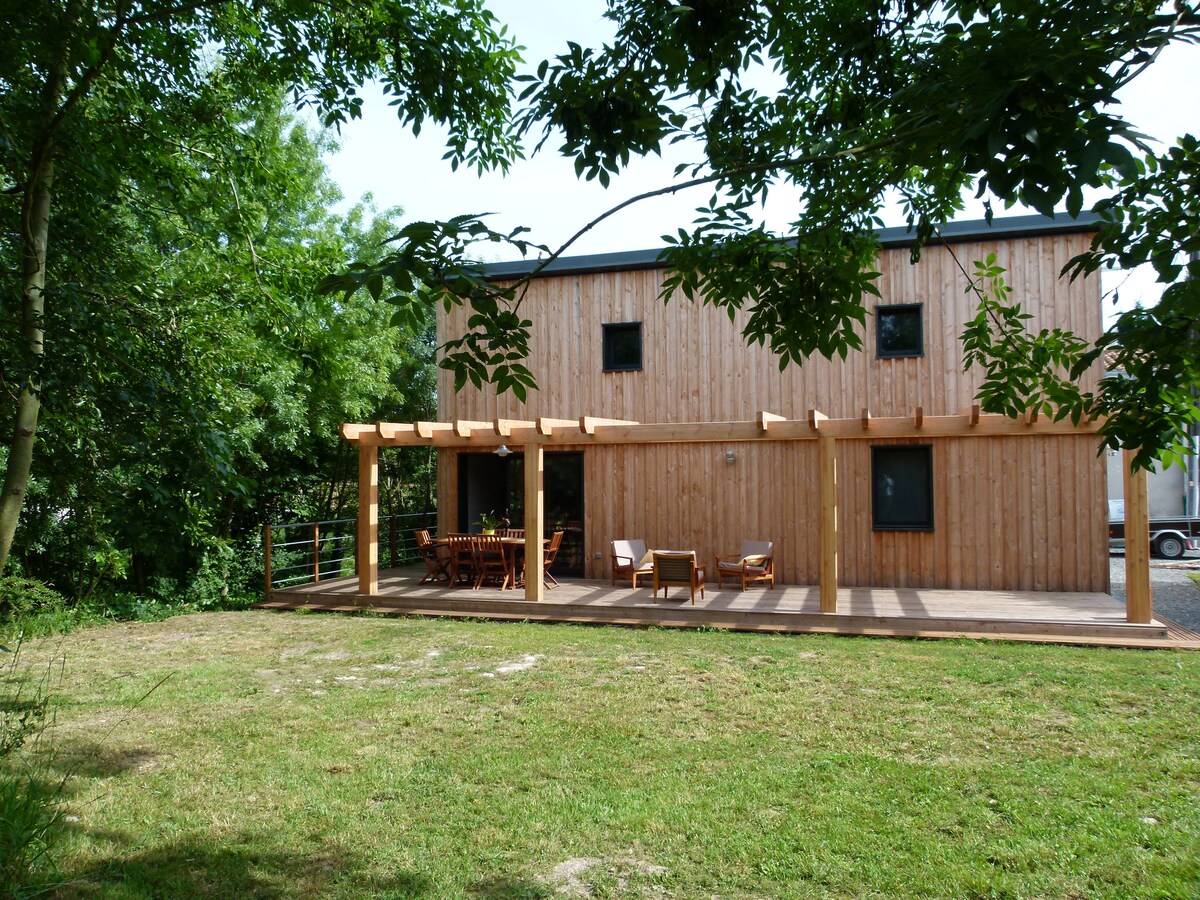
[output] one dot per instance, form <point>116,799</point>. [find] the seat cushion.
<point>737,568</point>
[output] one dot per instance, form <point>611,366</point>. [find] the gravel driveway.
<point>1175,595</point>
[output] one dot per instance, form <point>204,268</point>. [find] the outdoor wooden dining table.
<point>512,547</point>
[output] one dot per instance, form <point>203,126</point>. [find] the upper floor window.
<point>902,487</point>
<point>899,331</point>
<point>623,347</point>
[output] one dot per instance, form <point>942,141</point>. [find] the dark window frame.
<point>612,328</point>
<point>895,524</point>
<point>905,353</point>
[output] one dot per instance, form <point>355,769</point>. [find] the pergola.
<point>533,436</point>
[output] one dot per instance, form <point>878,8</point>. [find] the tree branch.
<point>750,168</point>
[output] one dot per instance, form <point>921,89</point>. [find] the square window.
<point>902,488</point>
<point>623,347</point>
<point>898,330</point>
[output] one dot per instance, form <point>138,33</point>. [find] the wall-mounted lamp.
<point>502,451</point>
<point>730,457</point>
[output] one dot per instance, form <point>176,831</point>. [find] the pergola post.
<point>534,529</point>
<point>1139,606</point>
<point>366,550</point>
<point>827,496</point>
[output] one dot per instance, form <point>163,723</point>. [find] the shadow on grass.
<point>245,869</point>
<point>508,889</point>
<point>90,760</point>
<point>193,869</point>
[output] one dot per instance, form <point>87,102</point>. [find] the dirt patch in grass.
<point>583,876</point>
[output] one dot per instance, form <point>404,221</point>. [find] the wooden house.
<point>1020,507</point>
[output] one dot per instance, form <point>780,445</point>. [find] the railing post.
<point>267,561</point>
<point>393,540</point>
<point>316,551</point>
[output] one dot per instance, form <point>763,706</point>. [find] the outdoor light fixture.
<point>502,451</point>
<point>730,457</point>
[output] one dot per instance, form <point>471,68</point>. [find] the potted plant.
<point>489,522</point>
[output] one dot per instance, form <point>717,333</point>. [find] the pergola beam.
<point>552,432</point>
<point>765,419</point>
<point>546,425</point>
<point>428,429</point>
<point>506,427</point>
<point>465,427</point>
<point>589,424</point>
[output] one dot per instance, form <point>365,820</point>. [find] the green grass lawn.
<point>309,755</point>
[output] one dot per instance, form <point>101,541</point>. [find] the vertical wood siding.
<point>1010,513</point>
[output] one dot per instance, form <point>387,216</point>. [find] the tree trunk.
<point>35,231</point>
<point>29,403</point>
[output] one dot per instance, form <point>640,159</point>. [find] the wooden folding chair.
<point>464,566</point>
<point>492,561</point>
<point>548,560</point>
<point>436,566</point>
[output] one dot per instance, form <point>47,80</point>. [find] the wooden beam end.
<point>766,418</point>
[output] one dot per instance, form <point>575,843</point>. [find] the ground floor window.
<point>902,488</point>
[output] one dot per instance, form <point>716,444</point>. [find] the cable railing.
<point>297,553</point>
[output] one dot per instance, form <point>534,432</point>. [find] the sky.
<point>380,158</point>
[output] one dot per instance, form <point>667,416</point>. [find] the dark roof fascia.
<point>889,238</point>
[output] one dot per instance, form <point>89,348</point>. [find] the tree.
<point>198,382</point>
<point>871,99</point>
<point>105,94</point>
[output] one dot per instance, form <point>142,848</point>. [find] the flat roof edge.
<point>889,238</point>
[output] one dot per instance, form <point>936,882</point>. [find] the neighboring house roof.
<point>953,232</point>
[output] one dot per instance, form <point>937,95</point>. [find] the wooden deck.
<point>1062,618</point>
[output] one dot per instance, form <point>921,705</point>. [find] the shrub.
<point>27,596</point>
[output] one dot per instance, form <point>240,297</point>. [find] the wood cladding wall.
<point>698,368</point>
<point>1010,513</point>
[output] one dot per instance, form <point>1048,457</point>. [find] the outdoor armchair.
<point>630,559</point>
<point>755,563</point>
<point>677,567</point>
